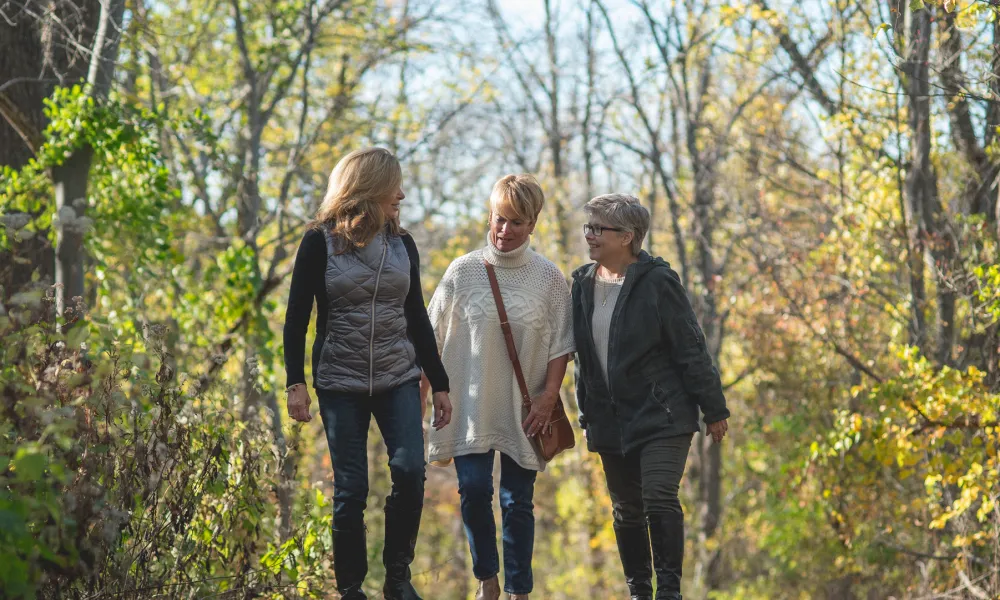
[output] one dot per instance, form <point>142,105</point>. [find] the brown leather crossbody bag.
<point>558,434</point>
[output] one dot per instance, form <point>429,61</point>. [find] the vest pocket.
<point>411,351</point>
<point>331,370</point>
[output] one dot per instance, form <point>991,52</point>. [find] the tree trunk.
<point>588,113</point>
<point>918,176</point>
<point>555,133</point>
<point>70,178</point>
<point>651,205</point>
<point>21,59</point>
<point>992,209</point>
<point>20,102</point>
<point>928,221</point>
<point>70,183</point>
<point>710,455</point>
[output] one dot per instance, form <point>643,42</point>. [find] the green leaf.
<point>307,544</point>
<point>29,464</point>
<point>12,523</point>
<point>77,336</point>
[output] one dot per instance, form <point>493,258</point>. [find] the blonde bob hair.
<point>517,196</point>
<point>351,208</point>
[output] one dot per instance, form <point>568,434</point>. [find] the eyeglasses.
<point>598,229</point>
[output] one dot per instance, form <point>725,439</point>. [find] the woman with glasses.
<point>487,418</point>
<point>643,373</point>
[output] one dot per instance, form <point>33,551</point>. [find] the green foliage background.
<point>144,451</point>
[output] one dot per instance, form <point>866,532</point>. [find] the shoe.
<point>489,589</point>
<point>633,549</point>
<point>666,534</point>
<point>400,590</point>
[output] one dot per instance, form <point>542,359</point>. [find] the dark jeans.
<point>643,486</point>
<point>646,481</point>
<point>346,418</point>
<point>517,487</point>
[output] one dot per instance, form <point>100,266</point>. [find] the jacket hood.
<point>643,265</point>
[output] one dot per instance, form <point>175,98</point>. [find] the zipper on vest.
<point>371,338</point>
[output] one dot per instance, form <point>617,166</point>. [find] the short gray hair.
<point>624,211</point>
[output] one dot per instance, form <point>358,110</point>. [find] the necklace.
<point>606,286</point>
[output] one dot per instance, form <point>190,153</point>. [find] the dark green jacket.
<point>659,369</point>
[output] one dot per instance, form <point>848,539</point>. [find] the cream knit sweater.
<point>484,394</point>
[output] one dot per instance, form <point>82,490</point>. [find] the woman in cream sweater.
<point>487,416</point>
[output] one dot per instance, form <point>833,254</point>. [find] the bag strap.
<point>507,335</point>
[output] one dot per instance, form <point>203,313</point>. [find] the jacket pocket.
<point>660,397</point>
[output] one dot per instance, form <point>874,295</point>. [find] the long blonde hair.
<point>350,208</point>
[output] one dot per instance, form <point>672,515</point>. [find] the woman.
<point>372,332</point>
<point>643,373</point>
<point>487,403</point>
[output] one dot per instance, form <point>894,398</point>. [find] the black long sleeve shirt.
<point>309,285</point>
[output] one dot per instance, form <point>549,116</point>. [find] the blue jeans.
<point>517,487</point>
<point>346,418</point>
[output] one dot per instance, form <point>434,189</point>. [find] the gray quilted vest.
<point>366,348</point>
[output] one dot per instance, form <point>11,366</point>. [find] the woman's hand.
<point>718,430</point>
<point>298,403</point>
<point>541,412</point>
<point>442,409</point>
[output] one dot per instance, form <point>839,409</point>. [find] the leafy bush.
<point>125,472</point>
<point>115,475</point>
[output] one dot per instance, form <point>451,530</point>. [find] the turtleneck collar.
<point>517,257</point>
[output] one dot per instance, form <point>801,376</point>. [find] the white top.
<point>606,291</point>
<point>485,397</point>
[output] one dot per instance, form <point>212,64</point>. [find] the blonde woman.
<point>487,418</point>
<point>372,338</point>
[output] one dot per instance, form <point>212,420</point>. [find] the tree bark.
<point>70,186</point>
<point>992,209</point>
<point>928,227</point>
<point>710,454</point>
<point>555,136</point>
<point>21,124</point>
<point>588,112</point>
<point>70,178</point>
